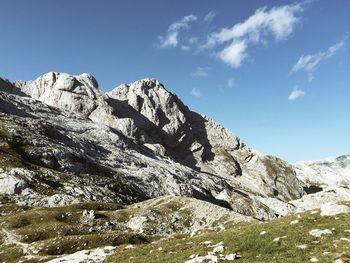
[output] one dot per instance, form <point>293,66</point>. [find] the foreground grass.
<point>247,240</point>
<point>34,234</point>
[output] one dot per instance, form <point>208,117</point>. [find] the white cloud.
<point>200,72</point>
<point>277,22</point>
<point>209,17</point>
<point>196,92</point>
<point>309,63</point>
<point>296,93</point>
<point>231,82</point>
<point>193,40</point>
<point>233,54</point>
<point>183,23</point>
<point>171,38</point>
<point>231,44</point>
<point>185,48</point>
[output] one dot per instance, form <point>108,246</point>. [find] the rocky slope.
<point>333,171</point>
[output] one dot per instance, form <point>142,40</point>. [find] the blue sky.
<point>276,73</point>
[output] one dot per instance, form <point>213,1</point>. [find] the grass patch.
<point>226,156</point>
<point>70,244</point>
<point>10,254</point>
<point>61,230</point>
<point>275,167</point>
<point>246,240</point>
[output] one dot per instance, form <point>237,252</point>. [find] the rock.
<point>218,249</point>
<point>333,171</point>
<point>230,257</point>
<point>97,255</point>
<point>313,259</point>
<point>294,222</point>
<point>200,259</point>
<point>330,194</point>
<point>303,246</point>
<point>319,233</point>
<point>154,102</point>
<point>332,209</point>
<point>277,239</point>
<point>137,223</point>
<point>78,94</point>
<point>8,87</point>
<point>10,185</point>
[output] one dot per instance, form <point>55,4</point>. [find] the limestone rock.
<point>79,94</point>
<point>333,171</point>
<point>332,209</point>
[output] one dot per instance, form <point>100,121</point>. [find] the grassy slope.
<point>246,240</point>
<point>49,232</point>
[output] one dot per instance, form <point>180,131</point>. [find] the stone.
<point>332,209</point>
<point>319,233</point>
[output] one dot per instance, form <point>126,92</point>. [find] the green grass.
<point>10,253</point>
<point>60,230</point>
<point>226,156</point>
<point>246,240</point>
<point>275,167</point>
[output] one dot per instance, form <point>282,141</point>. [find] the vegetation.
<point>226,156</point>
<point>61,230</point>
<point>275,167</point>
<point>246,240</point>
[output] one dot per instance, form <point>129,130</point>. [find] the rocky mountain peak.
<point>69,92</point>
<point>150,98</point>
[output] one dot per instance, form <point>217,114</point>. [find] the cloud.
<point>209,17</point>
<point>231,44</point>
<point>200,72</point>
<point>171,38</point>
<point>183,23</point>
<point>196,92</point>
<point>233,54</point>
<point>296,93</point>
<point>231,82</point>
<point>185,48</point>
<point>277,22</point>
<point>309,63</point>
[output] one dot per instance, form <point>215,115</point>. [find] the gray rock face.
<point>333,171</point>
<point>136,142</point>
<point>149,98</point>
<point>8,87</point>
<point>78,94</point>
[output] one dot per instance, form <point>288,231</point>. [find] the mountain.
<point>334,171</point>
<point>65,143</point>
<point>136,142</point>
